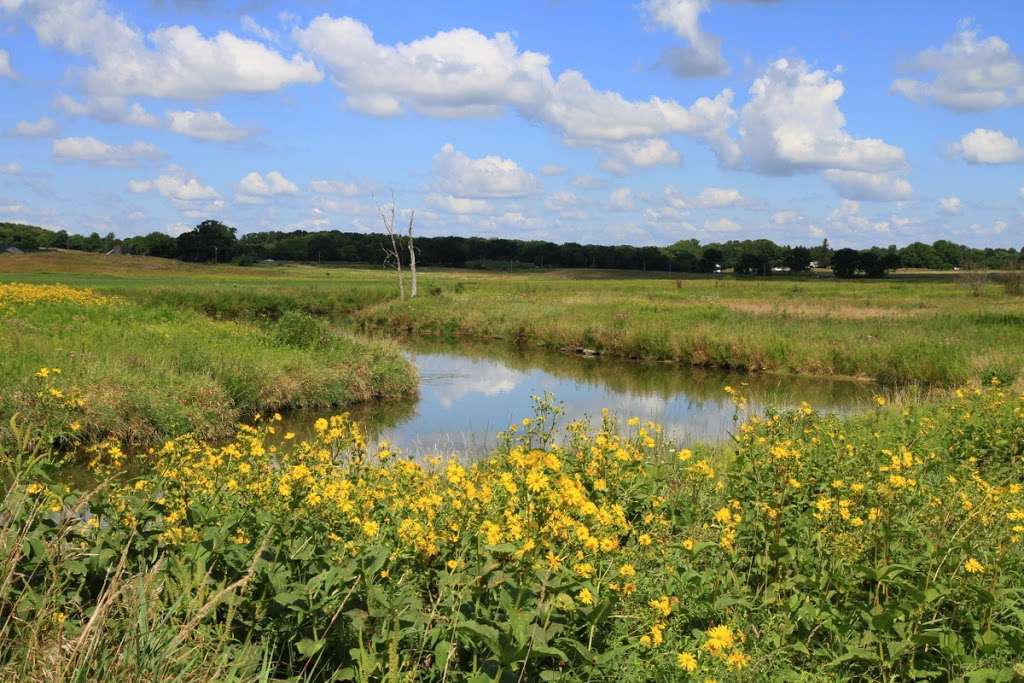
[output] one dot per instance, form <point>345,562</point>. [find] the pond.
<point>470,392</point>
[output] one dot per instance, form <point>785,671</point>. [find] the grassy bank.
<point>914,329</point>
<point>197,346</point>
<point>880,548</point>
<point>925,328</point>
<point>141,372</point>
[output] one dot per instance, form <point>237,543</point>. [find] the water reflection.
<point>469,392</point>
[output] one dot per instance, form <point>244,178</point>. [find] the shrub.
<point>301,330</point>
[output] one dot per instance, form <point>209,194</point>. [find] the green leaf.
<point>309,647</point>
<point>476,628</point>
<point>286,598</point>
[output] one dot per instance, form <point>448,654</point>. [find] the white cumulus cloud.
<point>107,108</point>
<point>984,146</point>
<point>621,199</point>
<point>969,73</point>
<point>94,151</point>
<point>951,205</point>
<point>343,188</point>
<point>462,72</point>
<point>785,217</point>
<point>252,27</point>
<point>490,176</point>
<point>44,127</point>
<point>5,65</point>
<point>793,122</point>
<point>709,198</point>
<point>12,168</point>
<point>864,186</point>
<point>204,125</point>
<point>447,203</point>
<point>561,200</point>
<point>177,185</point>
<point>173,61</point>
<point>847,218</point>
<point>638,153</point>
<point>702,56</point>
<point>721,225</point>
<point>997,228</point>
<point>254,185</point>
<point>588,182</point>
<point>552,169</point>
<point>718,198</point>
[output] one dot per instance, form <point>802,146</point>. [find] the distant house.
<point>813,264</point>
<point>13,250</point>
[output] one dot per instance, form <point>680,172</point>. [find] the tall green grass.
<point>893,331</point>
<point>146,372</point>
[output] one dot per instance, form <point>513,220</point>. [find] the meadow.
<point>925,328</point>
<point>212,543</point>
<point>914,329</point>
<point>150,360</point>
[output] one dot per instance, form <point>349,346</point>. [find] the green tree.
<point>208,241</point>
<point>845,262</point>
<point>798,259</point>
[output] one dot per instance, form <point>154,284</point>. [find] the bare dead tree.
<point>387,217</point>
<point>412,255</point>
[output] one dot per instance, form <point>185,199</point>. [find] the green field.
<point>883,546</point>
<point>913,327</point>
<point>187,351</point>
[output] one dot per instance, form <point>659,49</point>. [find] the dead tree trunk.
<point>387,217</point>
<point>412,256</point>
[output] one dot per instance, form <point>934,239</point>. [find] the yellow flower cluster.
<point>618,525</point>
<point>13,293</point>
<point>543,507</point>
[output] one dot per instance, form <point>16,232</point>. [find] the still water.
<point>468,393</point>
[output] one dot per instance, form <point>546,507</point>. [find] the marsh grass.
<point>226,340</point>
<point>924,328</point>
<point>893,331</point>
<point>146,372</point>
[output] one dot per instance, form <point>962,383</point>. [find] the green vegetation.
<point>908,328</point>
<point>884,547</point>
<point>146,372</point>
<point>896,331</point>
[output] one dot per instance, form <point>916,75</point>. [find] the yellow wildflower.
<point>686,661</point>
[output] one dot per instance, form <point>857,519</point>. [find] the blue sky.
<point>643,122</point>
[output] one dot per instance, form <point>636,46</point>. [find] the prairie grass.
<point>910,328</point>
<point>147,372</point>
<point>196,347</point>
<point>896,331</point>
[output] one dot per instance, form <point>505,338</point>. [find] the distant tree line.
<point>214,241</point>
